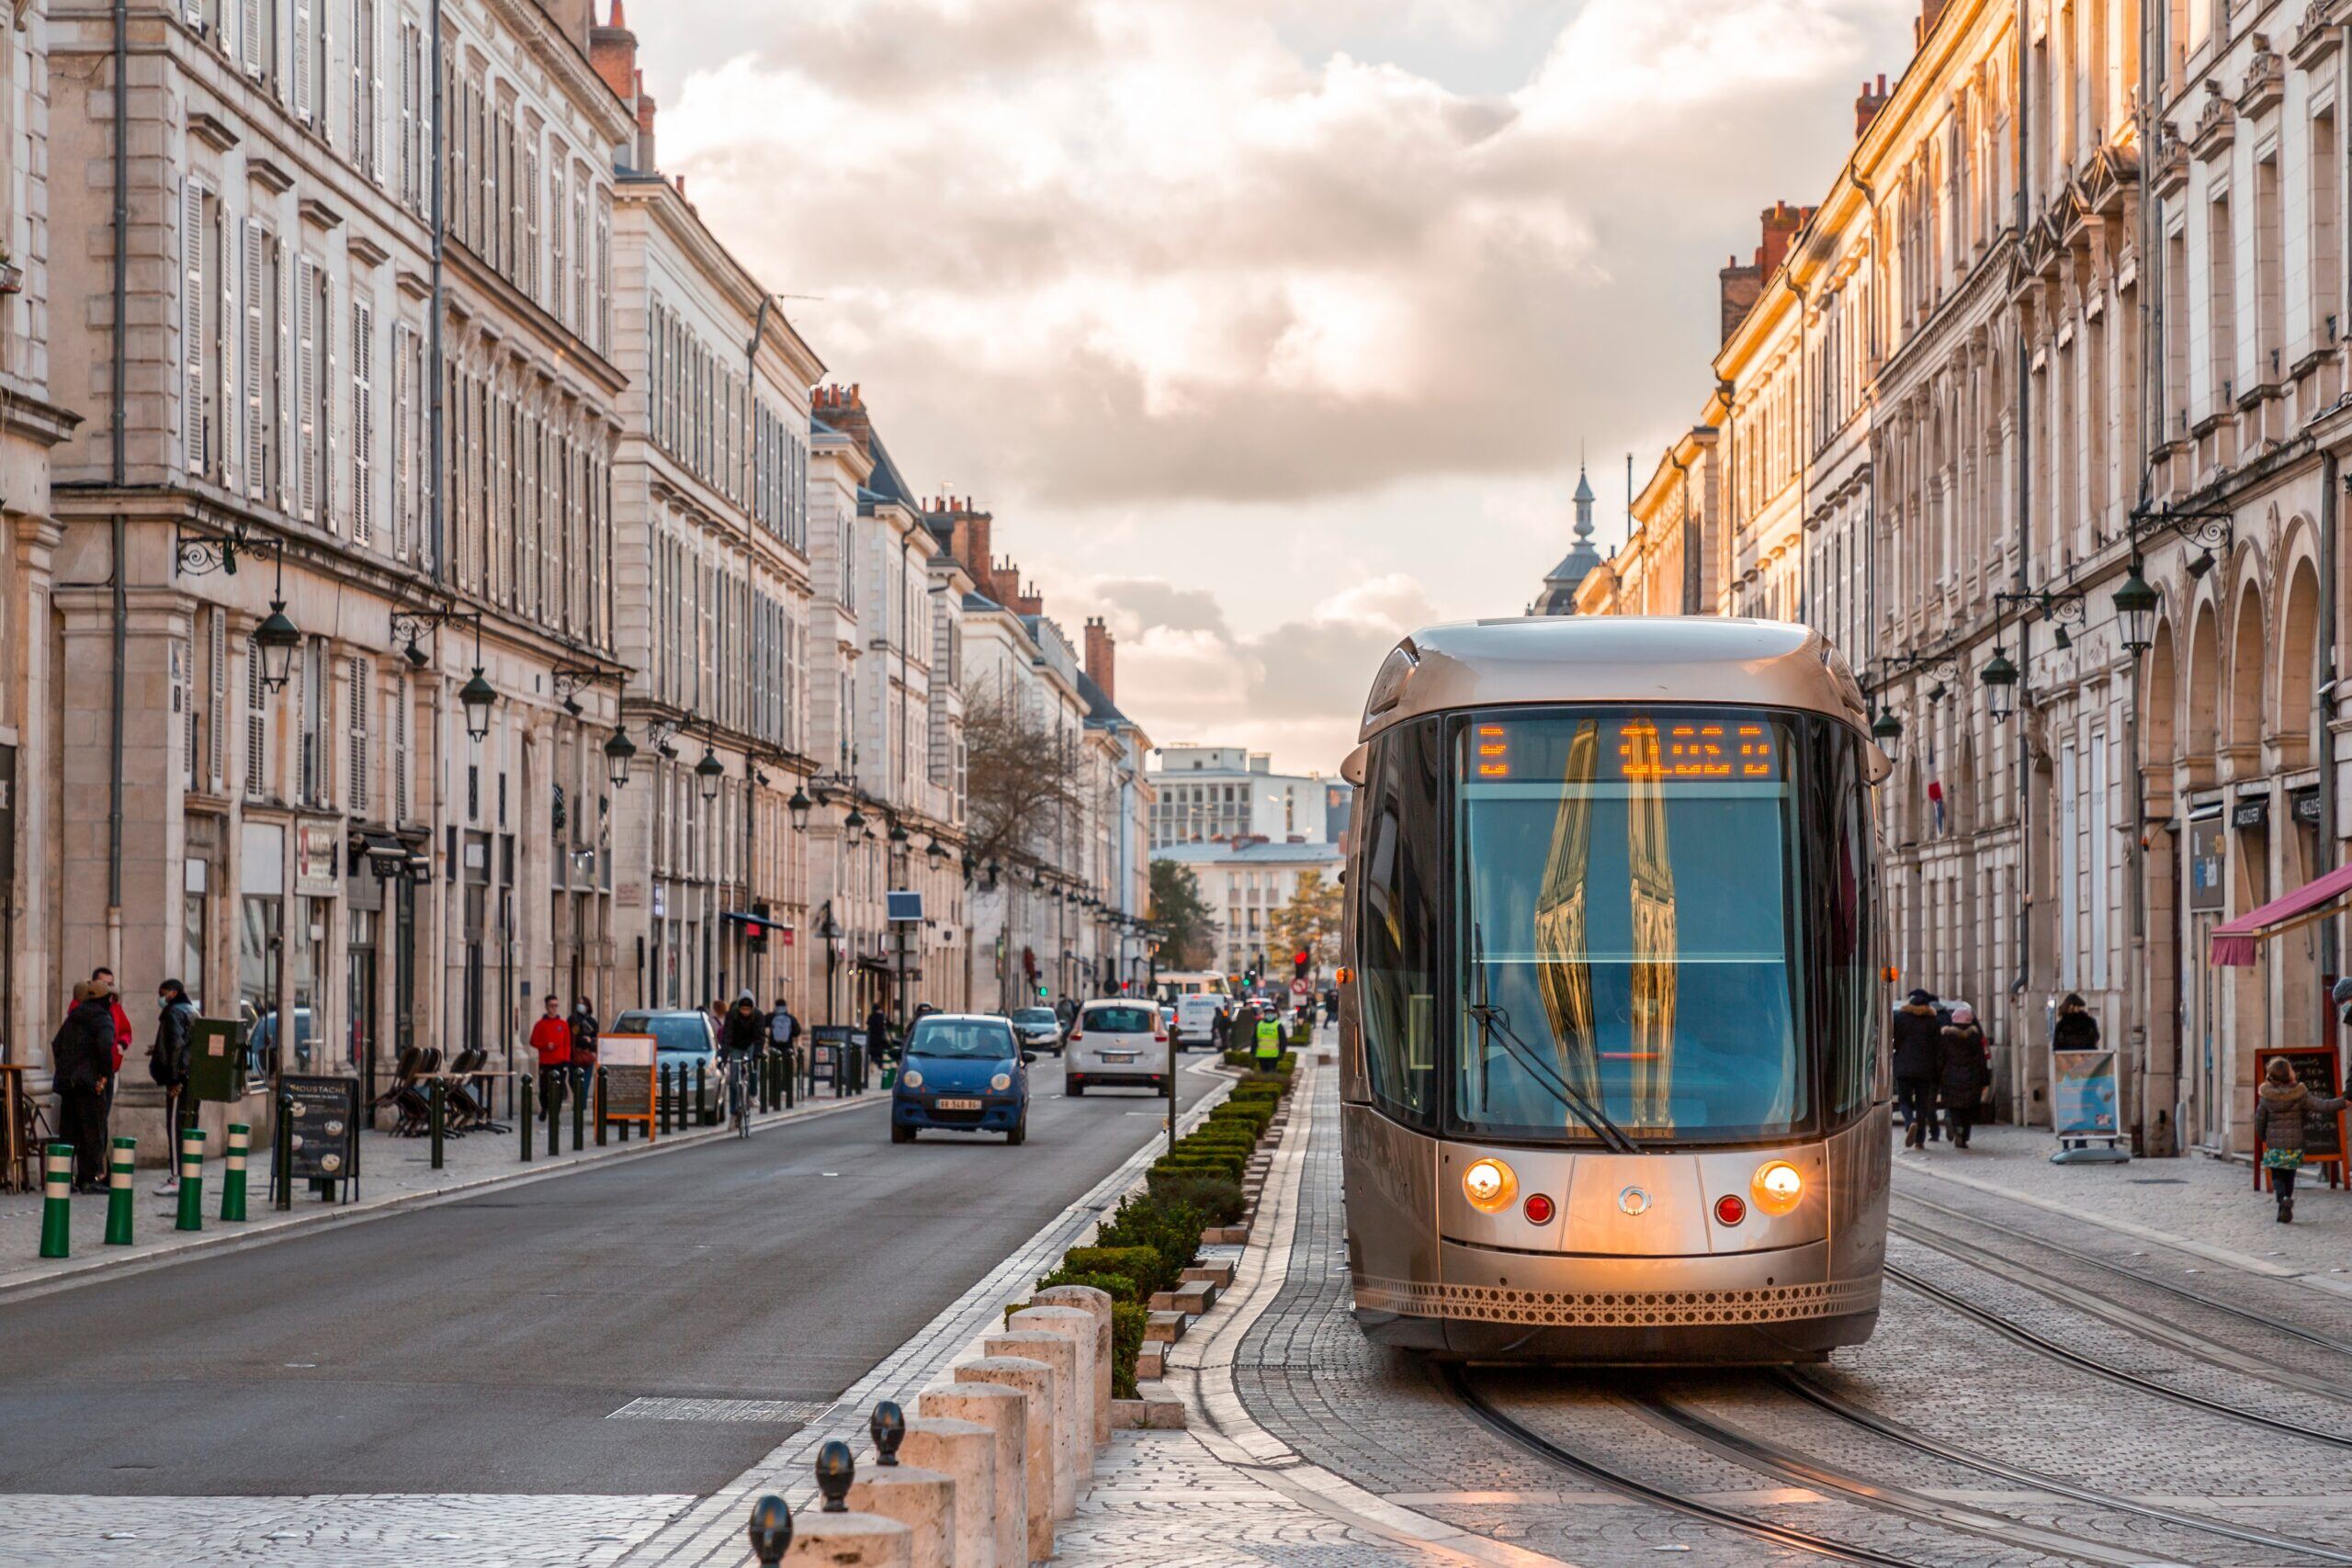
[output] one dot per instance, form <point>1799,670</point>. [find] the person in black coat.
<point>2075,1029</point>
<point>82,1055</point>
<point>1918,1042</point>
<point>1962,1072</point>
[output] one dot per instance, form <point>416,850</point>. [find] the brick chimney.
<point>645,161</point>
<point>1781,223</point>
<point>1866,107</point>
<point>1740,286</point>
<point>1028,602</point>
<point>843,408</point>
<point>967,539</point>
<point>1930,13</point>
<point>1101,650</point>
<point>612,52</point>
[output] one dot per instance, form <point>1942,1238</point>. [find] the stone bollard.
<point>1005,1412</point>
<point>964,1451</point>
<point>1098,1303</point>
<point>1077,1326</point>
<point>1062,1356</point>
<point>922,1500</point>
<point>839,1539</point>
<point>1040,1454</point>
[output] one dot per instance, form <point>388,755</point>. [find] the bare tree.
<point>1023,779</point>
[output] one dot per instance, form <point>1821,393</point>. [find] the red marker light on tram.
<point>1730,1209</point>
<point>1538,1209</point>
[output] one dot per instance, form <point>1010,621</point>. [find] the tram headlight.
<point>1490,1185</point>
<point>1778,1186</point>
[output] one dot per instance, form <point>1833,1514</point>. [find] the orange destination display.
<point>1637,749</point>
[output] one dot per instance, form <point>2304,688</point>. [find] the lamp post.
<point>619,751</point>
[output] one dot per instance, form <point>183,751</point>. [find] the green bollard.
<point>600,1108</point>
<point>232,1172</point>
<point>120,1165</point>
<point>57,1200</point>
<point>192,1178</point>
<point>525,1120</point>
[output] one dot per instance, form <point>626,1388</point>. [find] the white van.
<point>1199,1019</point>
<point>1116,1042</point>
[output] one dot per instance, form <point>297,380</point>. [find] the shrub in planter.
<point>1170,1229</point>
<point>1228,1136</point>
<point>1118,1287</point>
<point>1127,1322</point>
<point>1219,1196</point>
<point>1139,1264</point>
<point>1231,1167</point>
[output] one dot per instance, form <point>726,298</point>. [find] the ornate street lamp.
<point>2135,608</point>
<point>707,772</point>
<point>799,805</point>
<point>899,837</point>
<point>1887,730</point>
<point>476,696</point>
<point>854,823</point>
<point>278,639</point>
<point>2001,678</point>
<point>619,751</point>
<point>934,851</point>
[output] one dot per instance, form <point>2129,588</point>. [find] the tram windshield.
<point>1629,907</point>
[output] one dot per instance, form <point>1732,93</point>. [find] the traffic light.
<point>755,937</point>
<point>1041,993</point>
<point>1299,963</point>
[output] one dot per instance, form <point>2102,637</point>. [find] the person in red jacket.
<point>551,1038</point>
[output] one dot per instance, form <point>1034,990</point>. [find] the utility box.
<point>215,1059</point>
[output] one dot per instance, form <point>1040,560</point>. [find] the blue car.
<point>961,1073</point>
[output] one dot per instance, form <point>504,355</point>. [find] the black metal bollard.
<point>771,1530</point>
<point>785,1070</point>
<point>554,1103</point>
<point>439,1120</point>
<point>835,1470</point>
<point>600,1108</point>
<point>578,1118</point>
<point>888,1426</point>
<point>668,1101</point>
<point>702,1108</point>
<point>525,1120</point>
<point>281,1159</point>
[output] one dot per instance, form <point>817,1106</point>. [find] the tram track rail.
<point>2032,1339</point>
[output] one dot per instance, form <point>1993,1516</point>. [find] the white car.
<point>1199,1019</point>
<point>1116,1042</point>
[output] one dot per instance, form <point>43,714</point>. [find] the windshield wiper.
<point>1494,1021</point>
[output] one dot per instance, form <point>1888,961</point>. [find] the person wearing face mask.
<point>167,1064</point>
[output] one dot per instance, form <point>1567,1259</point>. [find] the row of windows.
<point>530,505</point>
<point>706,415</point>
<point>492,196</point>
<point>722,647</point>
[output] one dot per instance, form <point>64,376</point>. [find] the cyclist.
<point>741,1038</point>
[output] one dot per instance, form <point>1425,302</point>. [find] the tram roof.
<point>1570,659</point>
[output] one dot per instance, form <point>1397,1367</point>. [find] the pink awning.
<point>2235,942</point>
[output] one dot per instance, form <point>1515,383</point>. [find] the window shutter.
<point>227,451</point>
<point>400,748</point>
<point>249,40</point>
<point>257,725</point>
<point>286,374</point>
<point>255,367</point>
<point>192,291</point>
<point>409,83</point>
<point>358,798</point>
<point>305,384</point>
<point>216,705</point>
<point>360,141</point>
<point>306,702</point>
<point>363,421</point>
<point>302,97</point>
<point>402,500</point>
<point>327,367</point>
<point>556,250</point>
<point>528,192</point>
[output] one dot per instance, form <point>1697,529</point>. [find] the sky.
<point>1268,330</point>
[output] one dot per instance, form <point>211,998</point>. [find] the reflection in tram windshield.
<point>1629,928</point>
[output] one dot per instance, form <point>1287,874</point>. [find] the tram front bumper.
<point>1777,1305</point>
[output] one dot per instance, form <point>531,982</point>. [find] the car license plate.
<point>1118,1055</point>
<point>955,1105</point>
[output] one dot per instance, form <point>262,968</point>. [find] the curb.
<point>223,1242</point>
<point>1222,1423</point>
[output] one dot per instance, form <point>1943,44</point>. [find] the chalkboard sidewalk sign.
<point>628,1064</point>
<point>2324,1143</point>
<point>318,1133</point>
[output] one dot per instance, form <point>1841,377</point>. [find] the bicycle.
<point>739,1091</point>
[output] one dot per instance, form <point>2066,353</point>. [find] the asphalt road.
<point>480,1346</point>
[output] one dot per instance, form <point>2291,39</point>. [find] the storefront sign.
<point>2315,1068</point>
<point>626,1061</point>
<point>2251,815</point>
<point>320,1140</point>
<point>2307,806</point>
<point>318,853</point>
<point>2083,1093</point>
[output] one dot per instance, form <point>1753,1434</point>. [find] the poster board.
<point>2319,1070</point>
<point>321,1134</point>
<point>2083,1102</point>
<point>216,1060</point>
<point>626,1061</point>
<point>828,1049</point>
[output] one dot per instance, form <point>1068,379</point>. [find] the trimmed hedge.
<point>1127,1323</point>
<point>1173,1230</point>
<point>1118,1287</point>
<point>1219,1196</point>
<point>1137,1263</point>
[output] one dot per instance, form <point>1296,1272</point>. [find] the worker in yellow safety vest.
<point>1270,1041</point>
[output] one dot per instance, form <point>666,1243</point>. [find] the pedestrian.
<point>1270,1041</point>
<point>167,1064</point>
<point>551,1038</point>
<point>123,1035</point>
<point>2076,1029</point>
<point>878,1033</point>
<point>583,1031</point>
<point>2281,1105</point>
<point>1917,1045</point>
<point>82,1057</point>
<point>1963,1071</point>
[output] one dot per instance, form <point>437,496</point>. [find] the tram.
<point>1612,1012</point>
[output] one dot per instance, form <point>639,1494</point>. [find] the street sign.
<point>1298,988</point>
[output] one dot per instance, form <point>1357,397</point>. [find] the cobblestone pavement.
<point>395,1173</point>
<point>2159,1482</point>
<point>444,1531</point>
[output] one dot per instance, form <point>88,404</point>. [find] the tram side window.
<point>1398,939</point>
<point>1849,951</point>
